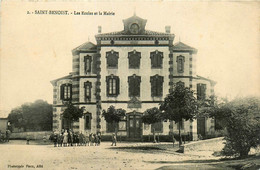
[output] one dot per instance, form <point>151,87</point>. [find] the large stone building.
<point>133,69</point>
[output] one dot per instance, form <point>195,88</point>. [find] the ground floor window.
<point>158,127</point>
<point>111,127</point>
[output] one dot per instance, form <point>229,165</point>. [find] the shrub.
<point>243,127</point>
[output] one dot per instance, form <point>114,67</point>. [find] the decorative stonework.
<point>134,103</point>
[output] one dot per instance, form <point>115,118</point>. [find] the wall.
<point>32,135</point>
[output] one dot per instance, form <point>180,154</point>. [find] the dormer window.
<point>134,59</point>
<point>112,59</point>
<point>156,59</point>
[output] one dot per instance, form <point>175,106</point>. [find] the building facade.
<point>133,69</point>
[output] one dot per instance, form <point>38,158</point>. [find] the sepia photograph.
<point>129,85</point>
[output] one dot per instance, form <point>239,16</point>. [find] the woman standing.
<point>65,140</point>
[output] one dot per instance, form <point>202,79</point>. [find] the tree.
<point>113,116</point>
<point>241,119</point>
<point>35,116</point>
<point>72,113</point>
<point>178,105</point>
<point>151,116</point>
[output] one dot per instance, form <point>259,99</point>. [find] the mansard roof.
<point>53,82</point>
<point>86,47</point>
<point>207,79</point>
<point>179,47</point>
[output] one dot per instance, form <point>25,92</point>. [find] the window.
<point>88,86</point>
<point>156,59</point>
<point>112,85</point>
<point>182,124</point>
<point>112,59</point>
<point>180,64</point>
<point>66,92</point>
<point>201,91</point>
<point>146,126</point>
<point>134,86</point>
<point>111,127</point>
<point>88,117</point>
<point>134,59</point>
<point>158,127</point>
<point>87,60</point>
<point>156,85</point>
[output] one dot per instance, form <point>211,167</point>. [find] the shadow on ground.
<point>163,148</point>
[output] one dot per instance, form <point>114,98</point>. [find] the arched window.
<point>87,60</point>
<point>134,85</point>
<point>112,85</point>
<point>112,59</point>
<point>66,91</point>
<point>201,91</point>
<point>88,86</point>
<point>156,59</point>
<point>180,63</point>
<point>134,59</point>
<point>156,85</point>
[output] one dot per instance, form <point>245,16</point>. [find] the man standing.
<point>113,139</point>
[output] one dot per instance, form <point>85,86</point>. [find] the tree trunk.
<point>180,140</point>
<point>115,129</point>
<point>154,138</point>
<point>244,153</point>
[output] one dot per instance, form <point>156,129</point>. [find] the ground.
<point>124,156</point>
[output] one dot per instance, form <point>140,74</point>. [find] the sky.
<point>36,49</point>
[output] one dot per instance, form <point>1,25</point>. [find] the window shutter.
<point>160,85</point>
<point>198,92</point>
<point>138,80</point>
<point>153,87</point>
<point>152,59</point>
<point>70,86</point>
<point>130,86</point>
<point>107,84</point>
<point>62,92</point>
<point>203,91</point>
<point>94,65</point>
<point>117,85</point>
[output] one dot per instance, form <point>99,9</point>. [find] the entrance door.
<point>134,126</point>
<point>201,126</point>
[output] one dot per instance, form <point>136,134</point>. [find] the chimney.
<point>168,29</point>
<point>99,29</point>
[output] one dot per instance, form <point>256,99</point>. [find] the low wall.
<point>203,145</point>
<point>32,135</point>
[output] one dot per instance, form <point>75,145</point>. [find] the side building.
<point>133,69</point>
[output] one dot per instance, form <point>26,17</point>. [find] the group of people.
<point>4,136</point>
<point>69,138</point>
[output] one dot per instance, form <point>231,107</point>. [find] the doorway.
<point>134,126</point>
